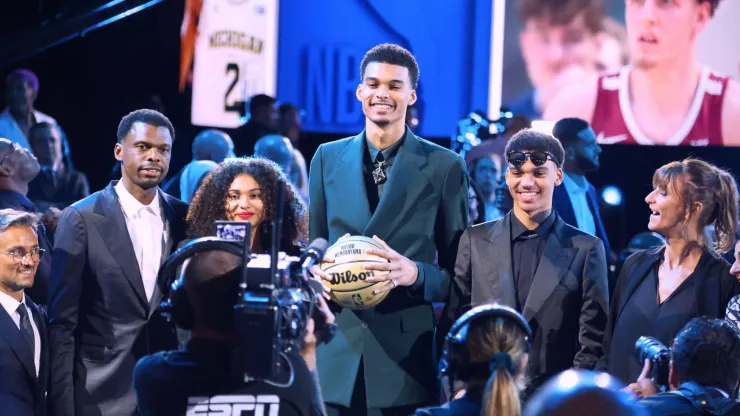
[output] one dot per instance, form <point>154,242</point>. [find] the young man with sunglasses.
<point>553,274</point>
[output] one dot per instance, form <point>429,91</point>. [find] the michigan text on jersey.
<point>234,39</point>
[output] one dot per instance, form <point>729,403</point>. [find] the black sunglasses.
<point>539,158</point>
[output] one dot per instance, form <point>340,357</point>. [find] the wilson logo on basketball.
<point>349,277</point>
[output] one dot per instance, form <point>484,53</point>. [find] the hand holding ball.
<point>347,276</point>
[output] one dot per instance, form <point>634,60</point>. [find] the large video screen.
<point>228,54</point>
<point>634,69</point>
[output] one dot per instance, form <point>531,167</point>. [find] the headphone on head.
<point>178,306</point>
<point>454,361</point>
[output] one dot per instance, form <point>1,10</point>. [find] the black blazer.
<point>67,187</point>
<point>22,393</point>
<point>714,290</point>
<point>100,320</point>
<point>567,303</point>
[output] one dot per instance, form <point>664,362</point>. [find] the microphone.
<point>313,255</point>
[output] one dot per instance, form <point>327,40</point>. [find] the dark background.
<point>89,83</point>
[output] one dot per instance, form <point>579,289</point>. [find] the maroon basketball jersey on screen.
<point>614,122</point>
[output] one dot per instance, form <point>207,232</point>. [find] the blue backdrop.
<point>321,49</point>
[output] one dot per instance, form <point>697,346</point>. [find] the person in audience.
<point>211,144</point>
<point>659,291</point>
<point>169,383</point>
<point>490,357</point>
<point>104,293</point>
<point>243,189</point>
<point>21,90</point>
<point>576,200</point>
<point>289,122</point>
<point>704,372</point>
<point>24,366</point>
<point>553,274</point>
<point>56,185</point>
<point>579,392</point>
<point>485,171</point>
<point>193,177</point>
<point>278,149</point>
<point>262,121</point>
<point>476,206</point>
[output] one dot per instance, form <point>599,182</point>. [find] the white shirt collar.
<point>10,304</point>
<point>572,186</point>
<point>131,205</point>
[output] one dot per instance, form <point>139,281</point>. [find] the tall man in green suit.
<point>412,196</point>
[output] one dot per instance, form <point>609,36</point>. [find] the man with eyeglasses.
<point>552,273</point>
<point>23,340</point>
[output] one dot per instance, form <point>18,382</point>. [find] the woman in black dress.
<point>659,291</point>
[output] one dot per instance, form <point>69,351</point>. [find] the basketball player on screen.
<point>665,97</point>
<point>413,196</point>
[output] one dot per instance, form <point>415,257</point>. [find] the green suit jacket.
<point>422,212</point>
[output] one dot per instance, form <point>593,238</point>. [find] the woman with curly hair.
<point>244,189</point>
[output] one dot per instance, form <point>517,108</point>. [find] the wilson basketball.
<point>349,285</point>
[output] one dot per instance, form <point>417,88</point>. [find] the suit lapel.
<point>639,274</point>
<point>12,335</point>
<point>112,227</point>
<point>500,276</point>
<point>554,264</point>
<point>405,177</point>
<point>349,177</point>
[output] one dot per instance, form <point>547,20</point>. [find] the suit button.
<point>364,325</point>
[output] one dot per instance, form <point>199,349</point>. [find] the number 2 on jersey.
<point>234,106</point>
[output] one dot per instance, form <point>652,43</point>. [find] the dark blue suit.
<point>562,205</point>
<point>22,393</point>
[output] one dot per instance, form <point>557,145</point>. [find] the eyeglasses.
<point>20,255</point>
<point>517,159</point>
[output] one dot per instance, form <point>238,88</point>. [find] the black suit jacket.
<point>568,300</point>
<point>67,187</point>
<point>100,320</point>
<point>22,393</point>
<point>422,211</point>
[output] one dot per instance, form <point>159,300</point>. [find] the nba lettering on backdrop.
<point>235,58</point>
<point>232,405</point>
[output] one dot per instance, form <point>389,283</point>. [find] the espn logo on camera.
<point>236,405</point>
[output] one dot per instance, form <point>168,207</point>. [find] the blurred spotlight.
<point>612,195</point>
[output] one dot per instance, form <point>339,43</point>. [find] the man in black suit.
<point>576,201</point>
<point>389,183</point>
<point>104,291</point>
<point>56,185</point>
<point>24,356</point>
<point>530,260</point>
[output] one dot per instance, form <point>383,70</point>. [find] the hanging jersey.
<point>235,58</point>
<point>614,122</point>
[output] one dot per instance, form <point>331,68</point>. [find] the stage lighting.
<point>612,195</point>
